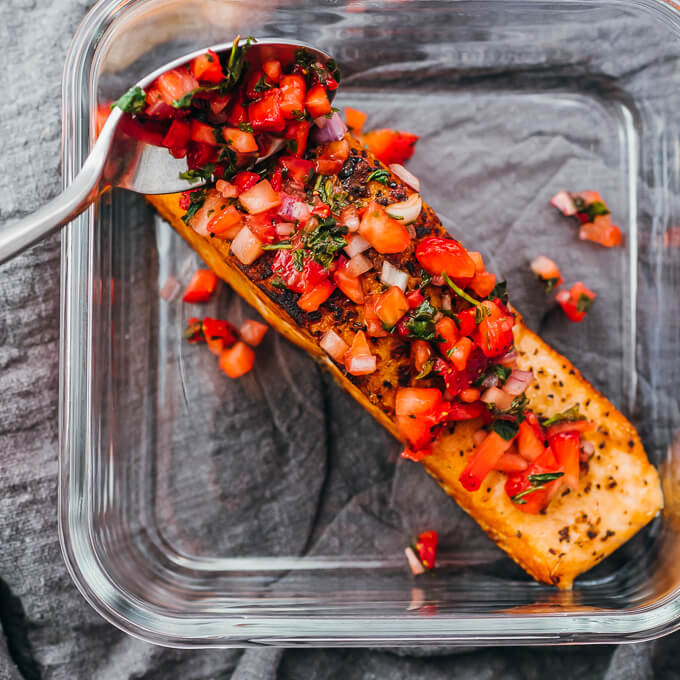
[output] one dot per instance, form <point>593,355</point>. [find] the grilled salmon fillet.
<point>619,489</point>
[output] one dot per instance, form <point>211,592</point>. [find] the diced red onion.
<point>358,265</point>
<point>358,244</point>
<point>349,218</point>
<point>437,280</point>
<point>501,399</point>
<point>170,289</point>
<point>509,360</point>
<point>479,436</point>
<point>391,276</point>
<point>362,365</point>
<point>406,211</point>
<point>285,228</point>
<point>517,382</point>
<point>246,246</point>
<point>405,176</point>
<point>490,380</point>
<point>415,565</point>
<point>334,345</point>
<point>446,302</point>
<point>330,130</point>
<point>293,209</point>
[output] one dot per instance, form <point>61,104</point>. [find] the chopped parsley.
<point>507,429</point>
<point>421,322</point>
<point>326,241</point>
<point>133,101</point>
<point>568,416</point>
<point>380,175</point>
<point>299,259</point>
<point>196,201</point>
<point>584,302</point>
<point>500,290</point>
<point>330,191</point>
<point>197,174</point>
<point>591,209</point>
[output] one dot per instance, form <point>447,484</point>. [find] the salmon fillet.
<point>619,490</point>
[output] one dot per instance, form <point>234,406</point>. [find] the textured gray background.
<point>49,631</point>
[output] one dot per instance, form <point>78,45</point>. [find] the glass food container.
<point>198,511</point>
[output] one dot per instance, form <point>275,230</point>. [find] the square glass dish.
<point>198,511</point>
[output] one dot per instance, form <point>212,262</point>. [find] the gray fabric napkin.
<point>366,501</point>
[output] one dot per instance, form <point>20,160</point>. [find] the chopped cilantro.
<point>304,58</point>
<point>507,429</point>
<point>570,415</point>
<point>425,279</point>
<point>500,290</point>
<point>584,302</point>
<point>197,174</point>
<point>550,283</point>
<point>133,101</point>
<point>298,259</point>
<point>421,322</point>
<point>379,175</point>
<point>245,127</point>
<point>196,201</point>
<point>326,241</point>
<point>537,482</point>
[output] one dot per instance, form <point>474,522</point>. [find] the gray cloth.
<point>49,630</point>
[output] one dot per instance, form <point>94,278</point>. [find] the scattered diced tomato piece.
<point>602,231</point>
<point>260,198</point>
<point>244,180</point>
<point>511,462</point>
<point>226,223</point>
<point>177,138</point>
<point>174,84</point>
<point>239,140</point>
<point>467,321</point>
<point>567,448</point>
<point>293,91</point>
<point>482,283</point>
<point>417,410</point>
<point>272,69</point>
<point>218,334</point>
<point>312,299</point>
<point>237,113</point>
<point>348,284</point>
<point>326,167</point>
<point>201,287</point>
<point>219,103</point>
<point>207,68</point>
<point>456,411</point>
<point>519,483</point>
<point>576,302</point>
<point>384,233</point>
<point>316,101</point>
<point>446,333</point>
<point>297,168</point>
<point>194,331</point>
<point>421,352</point>
<point>391,306</point>
<point>355,119</point>
<point>529,444</point>
<point>199,155</point>
<point>374,326</point>
<point>460,352</point>
<point>265,115</point>
<point>298,132</point>
<point>426,545</point>
<point>336,151</point>
<point>437,255</point>
<point>470,394</point>
<point>494,333</point>
<point>253,332</point>
<point>415,298</point>
<point>483,460</point>
<point>547,271</point>
<point>237,360</point>
<point>358,359</point>
<point>390,146</point>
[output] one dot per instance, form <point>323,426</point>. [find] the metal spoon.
<point>119,160</point>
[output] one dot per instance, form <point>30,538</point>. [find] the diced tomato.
<point>194,331</point>
<point>358,359</point>
<point>470,395</point>
<point>266,115</point>
<point>348,284</point>
<point>460,352</point>
<point>390,146</point>
<point>374,326</point>
<point>156,106</point>
<point>325,167</point>
<point>437,255</point>
<point>336,151</point>
<point>535,501</point>
<point>298,281</point>
<point>312,299</point>
<point>482,283</point>
<point>174,84</point>
<point>529,444</point>
<point>244,180</point>
<point>494,333</point>
<point>215,329</point>
<point>321,209</point>
<point>237,360</point>
<point>225,224</point>
<point>417,401</point>
<point>415,298</point>
<point>467,321</point>
<point>391,306</point>
<point>567,449</point>
<point>293,91</point>
<point>201,287</point>
<point>316,101</point>
<point>421,352</point>
<point>511,462</point>
<point>272,69</point>
<point>253,332</point>
<point>256,84</point>
<point>297,168</point>
<point>477,258</point>
<point>384,233</point>
<point>177,137</point>
<point>355,119</point>
<point>238,140</point>
<point>199,155</point>
<point>203,133</point>
<point>207,68</point>
<point>483,460</point>
<point>276,180</point>
<point>237,113</point>
<point>602,231</point>
<point>547,271</point>
<point>219,103</point>
<point>577,302</point>
<point>570,426</point>
<point>447,330</point>
<point>457,381</point>
<point>260,198</point>
<point>226,189</point>
<point>263,225</point>
<point>564,203</point>
<point>456,411</point>
<point>298,132</point>
<point>426,546</point>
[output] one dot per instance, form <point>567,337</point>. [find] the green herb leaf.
<point>197,174</point>
<point>262,85</point>
<point>299,259</point>
<point>281,245</point>
<point>568,416</point>
<point>133,101</point>
<point>421,322</point>
<point>325,241</point>
<point>425,280</point>
<point>196,201</point>
<point>425,370</point>
<point>544,478</point>
<point>380,175</point>
<point>277,282</point>
<point>500,290</point>
<point>245,127</point>
<point>550,283</point>
<point>584,302</point>
<point>507,429</point>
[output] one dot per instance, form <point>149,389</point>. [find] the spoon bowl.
<point>120,160</point>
